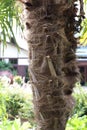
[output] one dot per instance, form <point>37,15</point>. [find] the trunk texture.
<point>50,27</point>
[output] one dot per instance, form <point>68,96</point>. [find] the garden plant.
<point>16,108</point>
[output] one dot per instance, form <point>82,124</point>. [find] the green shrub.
<point>77,123</point>
<point>19,104</point>
<point>7,66</point>
<point>3,113</point>
<point>14,125</point>
<point>2,107</point>
<point>78,120</point>
<point>80,96</point>
<point>13,104</point>
<point>18,79</point>
<point>16,102</point>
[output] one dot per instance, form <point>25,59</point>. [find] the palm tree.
<point>50,26</point>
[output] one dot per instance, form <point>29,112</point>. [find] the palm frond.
<point>83,32</point>
<point>8,12</point>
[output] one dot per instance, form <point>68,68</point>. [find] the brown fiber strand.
<point>50,28</point>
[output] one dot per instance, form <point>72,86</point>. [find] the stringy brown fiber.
<point>50,28</point>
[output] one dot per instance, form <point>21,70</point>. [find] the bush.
<point>2,107</point>
<point>14,125</point>
<point>16,102</point>
<point>7,66</point>
<point>77,123</point>
<point>18,79</point>
<point>19,104</point>
<point>80,96</point>
<point>3,113</point>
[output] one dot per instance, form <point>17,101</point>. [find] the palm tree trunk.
<point>50,27</point>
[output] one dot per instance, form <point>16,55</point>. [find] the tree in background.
<point>50,26</point>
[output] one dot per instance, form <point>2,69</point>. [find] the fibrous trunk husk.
<point>50,27</point>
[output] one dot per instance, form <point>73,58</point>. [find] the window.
<point>13,61</point>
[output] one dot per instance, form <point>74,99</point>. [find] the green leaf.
<point>8,12</point>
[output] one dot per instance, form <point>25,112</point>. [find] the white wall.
<point>23,62</point>
<point>11,51</point>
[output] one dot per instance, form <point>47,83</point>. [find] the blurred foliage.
<point>18,79</point>
<point>77,123</point>
<point>16,103</point>
<point>78,119</point>
<point>80,96</point>
<point>83,33</point>
<point>14,125</point>
<point>9,11</point>
<point>7,66</point>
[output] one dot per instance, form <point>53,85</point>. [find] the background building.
<point>18,57</point>
<point>82,60</point>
